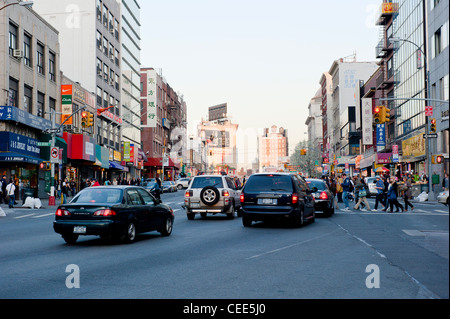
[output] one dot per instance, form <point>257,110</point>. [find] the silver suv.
<point>212,194</point>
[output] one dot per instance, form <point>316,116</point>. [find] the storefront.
<point>414,155</point>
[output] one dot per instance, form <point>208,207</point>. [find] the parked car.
<point>370,182</point>
<point>443,198</point>
<point>169,187</point>
<point>284,196</point>
<point>182,183</point>
<point>324,198</point>
<point>216,194</point>
<point>113,212</point>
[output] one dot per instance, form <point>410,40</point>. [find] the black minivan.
<point>284,196</point>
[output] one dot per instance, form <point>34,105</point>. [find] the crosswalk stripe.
<point>42,216</point>
<point>24,216</point>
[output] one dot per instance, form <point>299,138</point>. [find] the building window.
<point>40,104</point>
<point>12,38</point>
<point>105,72</point>
<point>105,16</point>
<point>99,40</point>
<point>99,67</point>
<point>99,96</point>
<point>116,56</point>
<point>116,29</point>
<point>99,10</point>
<point>40,58</point>
<point>105,46</point>
<point>28,99</point>
<point>13,92</point>
<point>52,104</point>
<point>51,66</point>
<point>27,50</point>
<point>437,42</point>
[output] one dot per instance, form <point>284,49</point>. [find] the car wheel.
<point>210,195</point>
<point>247,222</point>
<point>167,227</point>
<point>190,216</point>
<point>130,234</point>
<point>180,187</point>
<point>70,238</point>
<point>230,213</point>
<point>299,221</point>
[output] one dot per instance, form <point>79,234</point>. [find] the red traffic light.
<point>439,159</point>
<point>84,114</point>
<point>377,110</point>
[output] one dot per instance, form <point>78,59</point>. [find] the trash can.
<point>435,179</point>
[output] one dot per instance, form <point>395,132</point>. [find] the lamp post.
<point>428,99</point>
<point>22,4</point>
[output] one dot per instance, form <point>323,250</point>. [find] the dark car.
<point>324,198</point>
<point>283,196</point>
<point>113,212</point>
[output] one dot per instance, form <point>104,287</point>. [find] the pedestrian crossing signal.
<point>45,166</point>
<point>439,159</point>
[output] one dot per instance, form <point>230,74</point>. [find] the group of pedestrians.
<point>347,189</point>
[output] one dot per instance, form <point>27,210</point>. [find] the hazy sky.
<point>263,58</point>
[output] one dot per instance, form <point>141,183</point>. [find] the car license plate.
<point>195,205</point>
<point>267,201</point>
<point>79,230</point>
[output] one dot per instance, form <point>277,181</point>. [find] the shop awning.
<point>19,158</point>
<point>115,165</point>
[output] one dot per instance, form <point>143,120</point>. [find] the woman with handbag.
<point>360,187</point>
<point>392,196</point>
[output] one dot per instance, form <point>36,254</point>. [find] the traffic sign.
<point>54,155</point>
<point>430,135</point>
<point>428,111</point>
<point>44,144</point>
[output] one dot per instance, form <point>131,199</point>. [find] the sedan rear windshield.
<point>97,195</point>
<point>269,183</point>
<point>321,186</point>
<point>201,182</point>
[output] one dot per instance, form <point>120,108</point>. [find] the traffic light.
<point>46,166</point>
<point>90,119</point>
<point>433,126</point>
<point>385,114</point>
<point>303,152</point>
<point>439,159</point>
<point>84,119</point>
<point>377,114</point>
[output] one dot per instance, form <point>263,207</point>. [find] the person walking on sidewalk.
<point>392,196</point>
<point>407,195</point>
<point>360,187</point>
<point>10,192</point>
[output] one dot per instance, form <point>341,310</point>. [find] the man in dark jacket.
<point>3,195</point>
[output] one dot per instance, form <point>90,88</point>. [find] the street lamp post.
<point>427,98</point>
<point>22,4</point>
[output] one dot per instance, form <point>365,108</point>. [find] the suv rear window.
<point>269,183</point>
<point>321,186</point>
<point>200,182</point>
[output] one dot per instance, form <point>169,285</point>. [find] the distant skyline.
<point>264,59</point>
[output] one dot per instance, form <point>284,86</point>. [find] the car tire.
<point>180,187</point>
<point>210,195</point>
<point>247,222</point>
<point>70,238</point>
<point>130,233</point>
<point>230,213</point>
<point>190,216</point>
<point>167,227</point>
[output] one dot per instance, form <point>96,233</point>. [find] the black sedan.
<point>324,198</point>
<point>113,212</point>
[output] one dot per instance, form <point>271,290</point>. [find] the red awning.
<point>157,162</point>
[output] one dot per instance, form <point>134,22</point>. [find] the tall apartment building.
<point>273,149</point>
<point>438,56</point>
<point>131,75</point>
<point>314,121</point>
<point>29,90</point>
<point>90,45</point>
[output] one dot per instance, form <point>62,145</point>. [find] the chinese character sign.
<point>151,99</point>
<point>367,119</point>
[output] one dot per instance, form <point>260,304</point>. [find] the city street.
<point>350,255</point>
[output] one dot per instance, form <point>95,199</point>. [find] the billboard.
<point>218,112</point>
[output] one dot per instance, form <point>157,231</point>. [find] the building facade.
<point>29,91</point>
<point>273,149</point>
<point>314,121</point>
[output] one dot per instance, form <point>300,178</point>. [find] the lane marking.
<point>24,216</point>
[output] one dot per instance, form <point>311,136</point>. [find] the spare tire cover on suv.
<point>209,195</point>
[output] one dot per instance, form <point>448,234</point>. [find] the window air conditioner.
<point>18,54</point>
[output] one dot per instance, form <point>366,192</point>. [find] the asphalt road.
<point>352,255</point>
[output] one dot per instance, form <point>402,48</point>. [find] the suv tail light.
<point>105,213</point>
<point>242,198</point>
<point>62,212</point>
<point>294,198</point>
<point>323,195</point>
<point>189,194</point>
<point>225,193</point>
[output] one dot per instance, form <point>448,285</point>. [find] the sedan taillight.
<point>105,213</point>
<point>62,213</point>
